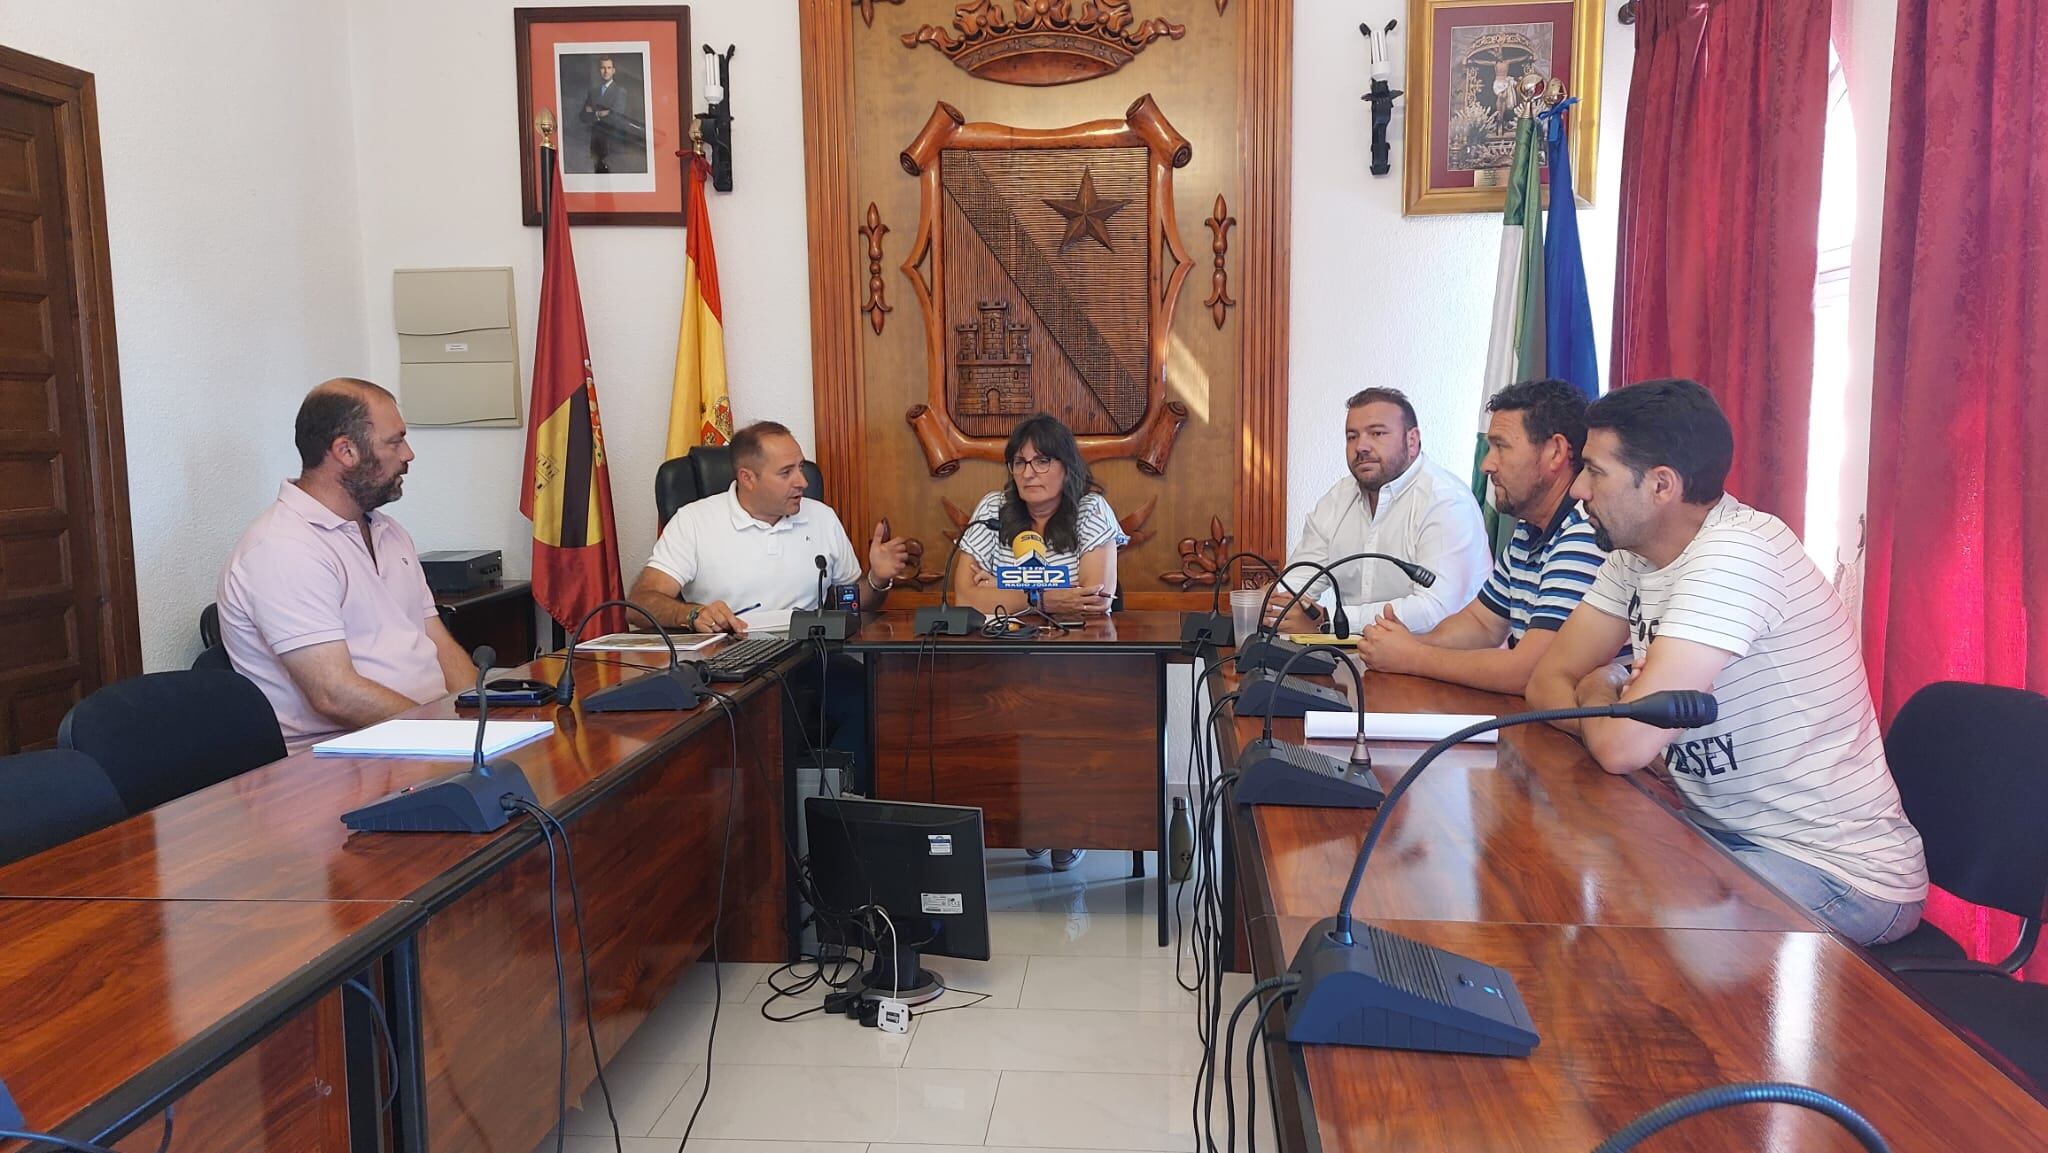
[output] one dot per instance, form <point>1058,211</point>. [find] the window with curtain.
<point>1827,431</point>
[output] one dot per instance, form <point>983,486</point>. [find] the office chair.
<point>1967,762</point>
<point>706,471</point>
<point>50,797</point>
<point>162,735</point>
<point>209,626</point>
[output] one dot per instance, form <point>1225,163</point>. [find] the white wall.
<point>231,209</point>
<point>437,161</point>
<point>1383,300</point>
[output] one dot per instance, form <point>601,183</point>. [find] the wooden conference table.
<point>194,954</point>
<point>1058,739</point>
<point>1651,964</point>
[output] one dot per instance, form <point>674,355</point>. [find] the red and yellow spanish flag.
<point>567,489</point>
<point>701,411</point>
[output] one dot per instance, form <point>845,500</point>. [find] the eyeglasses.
<point>1035,465</point>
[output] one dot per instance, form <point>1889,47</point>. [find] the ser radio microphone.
<point>946,619</point>
<point>1375,988</point>
<point>473,801</point>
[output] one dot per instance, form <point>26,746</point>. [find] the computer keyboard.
<point>741,659</point>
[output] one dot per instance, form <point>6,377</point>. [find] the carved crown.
<point>1046,42</point>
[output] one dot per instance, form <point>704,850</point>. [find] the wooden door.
<point>67,584</point>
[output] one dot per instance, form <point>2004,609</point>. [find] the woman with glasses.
<point>1050,492</point>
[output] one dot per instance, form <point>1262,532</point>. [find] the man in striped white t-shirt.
<point>1718,596</point>
<point>1534,436</point>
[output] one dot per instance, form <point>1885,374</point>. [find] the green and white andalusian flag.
<point>1514,350</point>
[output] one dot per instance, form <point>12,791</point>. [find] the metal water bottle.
<point>1180,840</point>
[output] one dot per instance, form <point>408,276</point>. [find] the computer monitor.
<point>921,864</point>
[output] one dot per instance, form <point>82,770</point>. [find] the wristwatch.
<point>690,621</point>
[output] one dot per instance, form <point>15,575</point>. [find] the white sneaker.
<point>1064,859</point>
<point>1035,854</point>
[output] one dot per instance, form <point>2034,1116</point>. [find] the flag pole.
<point>544,127</point>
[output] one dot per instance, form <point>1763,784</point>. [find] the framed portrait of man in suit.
<point>611,83</point>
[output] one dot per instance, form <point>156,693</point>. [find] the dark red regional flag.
<point>567,489</point>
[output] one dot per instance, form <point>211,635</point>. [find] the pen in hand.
<point>745,611</point>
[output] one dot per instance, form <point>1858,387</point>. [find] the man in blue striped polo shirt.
<point>1534,436</point>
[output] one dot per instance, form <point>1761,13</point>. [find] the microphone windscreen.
<point>1673,709</point>
<point>485,656</point>
<point>1026,544</point>
<point>819,560</point>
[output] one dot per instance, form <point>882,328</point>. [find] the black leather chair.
<point>706,471</point>
<point>162,735</point>
<point>209,625</point>
<point>1967,759</point>
<point>50,797</point>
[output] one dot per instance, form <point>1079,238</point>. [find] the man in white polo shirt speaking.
<point>756,546</point>
<point>1715,595</point>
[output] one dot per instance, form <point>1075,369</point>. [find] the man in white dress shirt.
<point>1396,501</point>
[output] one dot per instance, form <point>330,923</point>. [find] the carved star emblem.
<point>1086,214</point>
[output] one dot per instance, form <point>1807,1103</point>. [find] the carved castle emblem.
<point>1047,265</point>
<point>1046,42</point>
<point>994,364</point>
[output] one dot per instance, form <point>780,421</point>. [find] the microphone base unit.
<point>1385,991</point>
<point>948,621</point>
<point>825,625</point>
<point>470,801</point>
<point>1277,773</point>
<point>1207,628</point>
<point>1266,652</point>
<point>673,689</point>
<point>1265,693</point>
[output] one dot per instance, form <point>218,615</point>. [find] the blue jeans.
<point>1862,918</point>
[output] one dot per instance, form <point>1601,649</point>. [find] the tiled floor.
<point>1086,1042</point>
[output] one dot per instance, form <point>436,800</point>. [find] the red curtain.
<point>1720,213</point>
<point>1957,584</point>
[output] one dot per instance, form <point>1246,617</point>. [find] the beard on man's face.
<point>363,487</point>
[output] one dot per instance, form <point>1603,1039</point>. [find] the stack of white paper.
<point>1394,726</point>
<point>405,738</point>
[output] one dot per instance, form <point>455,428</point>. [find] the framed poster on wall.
<point>613,81</point>
<point>1465,59</point>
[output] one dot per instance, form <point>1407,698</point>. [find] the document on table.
<point>408,738</point>
<point>649,642</point>
<point>1394,726</point>
<point>767,620</point>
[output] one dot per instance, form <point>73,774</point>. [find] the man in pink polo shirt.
<point>323,603</point>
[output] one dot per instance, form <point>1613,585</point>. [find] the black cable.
<point>1284,981</point>
<point>383,1033</point>
<point>732,804</point>
<point>170,1120</point>
<point>583,949</point>
<point>561,979</point>
<point>1251,1079</point>
<point>1760,1092</point>
<point>979,997</point>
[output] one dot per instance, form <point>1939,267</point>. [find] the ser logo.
<point>1031,572</point>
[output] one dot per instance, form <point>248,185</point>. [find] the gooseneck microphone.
<point>475,800</point>
<point>1273,772</point>
<point>485,656</point>
<point>1750,1093</point>
<point>1376,988</point>
<point>679,686</point>
<point>824,623</point>
<point>946,619</point>
<point>819,560</point>
<point>1266,650</point>
<point>1215,627</point>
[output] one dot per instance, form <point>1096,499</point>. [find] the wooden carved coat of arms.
<point>1047,264</point>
